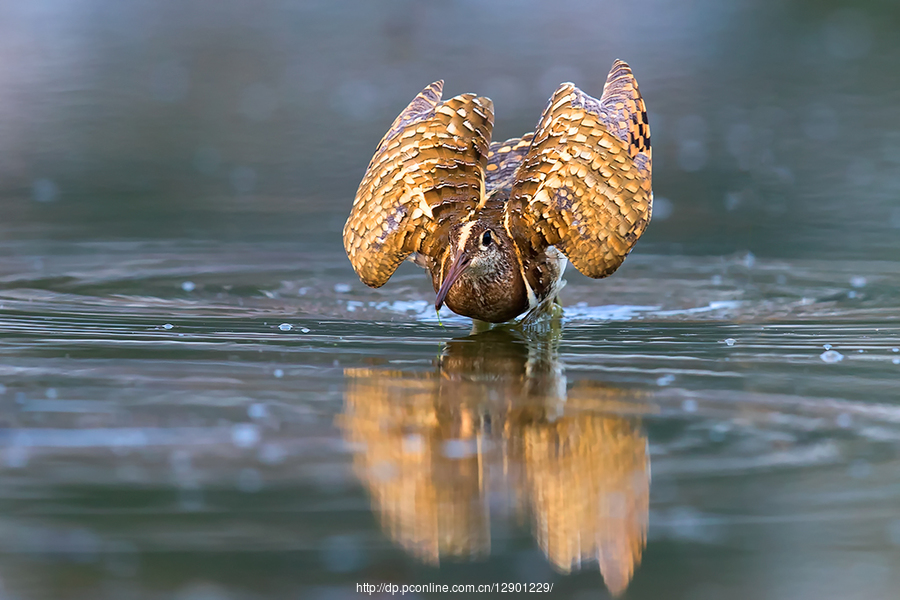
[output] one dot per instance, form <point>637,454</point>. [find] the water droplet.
<point>271,454</point>
<point>827,346</point>
<point>285,327</point>
<point>896,361</point>
<point>749,260</point>
<point>459,448</point>
<point>413,444</point>
<point>730,341</point>
<point>257,411</point>
<point>831,356</point>
<point>342,288</point>
<point>689,406</point>
<point>188,286</point>
<point>44,190</point>
<point>665,380</point>
<point>245,435</point>
<point>168,326</point>
<point>305,330</point>
<point>51,393</point>
<point>662,208</point>
<point>895,349</point>
<point>858,281</point>
<point>278,373</point>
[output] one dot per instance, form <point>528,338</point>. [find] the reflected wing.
<point>585,184</point>
<point>433,157</point>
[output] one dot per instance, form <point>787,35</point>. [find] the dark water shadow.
<point>495,425</point>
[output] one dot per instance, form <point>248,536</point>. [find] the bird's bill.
<point>459,265</point>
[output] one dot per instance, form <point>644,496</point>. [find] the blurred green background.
<point>776,125</point>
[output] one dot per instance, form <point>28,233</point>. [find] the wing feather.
<point>432,158</point>
<point>585,184</point>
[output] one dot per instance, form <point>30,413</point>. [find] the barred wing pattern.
<point>585,185</point>
<point>433,157</point>
<point>504,159</point>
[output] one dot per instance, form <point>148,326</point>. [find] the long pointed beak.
<point>459,265</point>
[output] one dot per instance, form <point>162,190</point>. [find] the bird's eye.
<point>487,238</point>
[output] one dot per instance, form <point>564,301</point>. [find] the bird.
<point>495,223</point>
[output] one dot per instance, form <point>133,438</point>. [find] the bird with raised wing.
<point>496,223</point>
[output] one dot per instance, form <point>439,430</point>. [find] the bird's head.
<point>479,252</point>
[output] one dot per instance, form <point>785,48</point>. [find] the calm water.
<point>199,400</point>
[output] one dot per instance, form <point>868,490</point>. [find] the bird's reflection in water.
<point>494,418</point>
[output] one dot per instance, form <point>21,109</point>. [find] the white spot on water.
<point>245,435</point>
<point>342,288</point>
<point>285,327</point>
<point>278,373</point>
<point>895,349</point>
<point>844,420</point>
<point>188,286</point>
<point>662,208</point>
<point>457,449</point>
<point>271,454</point>
<point>896,361</point>
<point>831,356</point>
<point>44,190</point>
<point>413,444</point>
<point>689,406</point>
<point>168,326</point>
<point>257,411</point>
<point>851,294</point>
<point>305,330</point>
<point>730,341</point>
<point>665,380</point>
<point>732,200</point>
<point>858,281</point>
<point>749,260</point>
<point>827,346</point>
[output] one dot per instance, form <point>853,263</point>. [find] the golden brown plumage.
<point>489,220</point>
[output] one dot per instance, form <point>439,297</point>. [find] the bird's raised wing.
<point>432,159</point>
<point>585,184</point>
<point>504,159</point>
